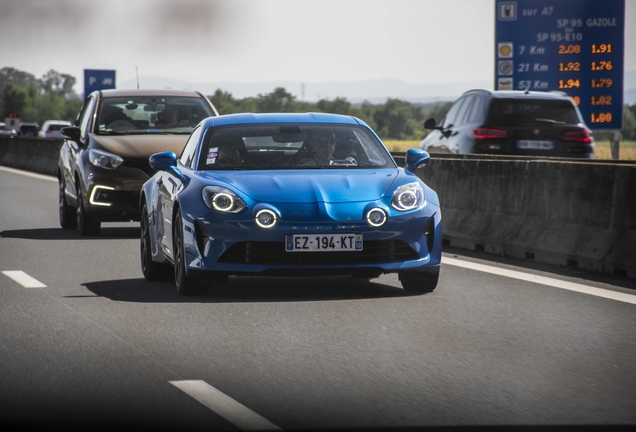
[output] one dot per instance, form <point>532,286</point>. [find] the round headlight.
<point>222,199</point>
<point>222,202</point>
<point>266,219</point>
<point>103,161</point>
<point>408,197</point>
<point>376,217</point>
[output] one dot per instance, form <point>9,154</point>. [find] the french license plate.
<point>535,145</point>
<point>323,242</point>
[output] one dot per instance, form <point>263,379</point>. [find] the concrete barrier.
<point>31,154</point>
<point>563,212</point>
<point>575,213</point>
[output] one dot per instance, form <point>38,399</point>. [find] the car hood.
<point>139,146</point>
<point>331,186</point>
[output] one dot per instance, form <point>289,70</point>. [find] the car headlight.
<point>266,218</point>
<point>104,159</point>
<point>222,199</point>
<point>408,197</point>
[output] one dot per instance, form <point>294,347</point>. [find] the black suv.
<point>104,159</point>
<point>28,129</point>
<point>511,123</point>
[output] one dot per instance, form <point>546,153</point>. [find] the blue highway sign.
<point>573,46</point>
<point>98,79</point>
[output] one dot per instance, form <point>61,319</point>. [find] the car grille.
<point>118,197</point>
<point>141,164</point>
<point>379,251</point>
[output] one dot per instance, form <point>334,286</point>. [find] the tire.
<point>86,225</point>
<point>66,212</point>
<point>419,282</point>
<point>153,271</point>
<point>185,285</point>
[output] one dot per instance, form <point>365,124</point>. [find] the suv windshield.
<point>151,114</point>
<point>292,146</point>
<point>525,112</point>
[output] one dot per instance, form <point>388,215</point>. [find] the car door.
<point>72,151</point>
<point>169,185</point>
<point>444,141</point>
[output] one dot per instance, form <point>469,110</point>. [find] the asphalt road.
<point>97,345</point>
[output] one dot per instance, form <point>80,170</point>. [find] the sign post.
<point>572,46</point>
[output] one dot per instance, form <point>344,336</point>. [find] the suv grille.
<point>141,164</point>
<point>378,251</point>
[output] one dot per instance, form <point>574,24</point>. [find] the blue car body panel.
<point>312,202</point>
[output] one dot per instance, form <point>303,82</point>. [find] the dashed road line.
<point>24,279</point>
<point>543,280</point>
<point>231,410</point>
<point>29,174</point>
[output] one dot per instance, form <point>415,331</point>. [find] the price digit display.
<point>572,46</point>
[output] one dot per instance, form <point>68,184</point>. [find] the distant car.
<point>511,123</point>
<point>53,128</point>
<point>104,159</point>
<point>28,129</point>
<point>8,132</point>
<point>288,194</point>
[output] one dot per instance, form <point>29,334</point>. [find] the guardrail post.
<point>614,145</point>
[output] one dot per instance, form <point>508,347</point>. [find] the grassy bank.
<point>602,148</point>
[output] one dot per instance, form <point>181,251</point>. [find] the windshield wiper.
<point>544,120</point>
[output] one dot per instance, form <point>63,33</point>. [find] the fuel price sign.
<point>573,46</point>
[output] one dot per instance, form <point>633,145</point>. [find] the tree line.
<point>52,97</point>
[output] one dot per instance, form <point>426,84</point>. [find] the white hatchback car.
<point>51,128</point>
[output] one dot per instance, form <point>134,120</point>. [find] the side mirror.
<point>416,158</point>
<point>164,161</point>
<point>71,132</point>
<point>431,124</point>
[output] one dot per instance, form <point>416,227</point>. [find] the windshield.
<point>292,146</point>
<point>151,114</point>
<point>513,112</point>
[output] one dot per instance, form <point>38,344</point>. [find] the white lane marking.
<point>24,279</point>
<point>557,283</point>
<point>29,174</point>
<point>231,410</point>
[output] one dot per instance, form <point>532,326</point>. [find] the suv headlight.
<point>104,159</point>
<point>222,199</point>
<point>408,197</point>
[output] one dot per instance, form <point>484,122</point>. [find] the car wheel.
<point>67,216</point>
<point>153,271</point>
<point>185,285</point>
<point>419,282</point>
<point>86,225</point>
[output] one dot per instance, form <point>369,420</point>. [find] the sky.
<point>254,41</point>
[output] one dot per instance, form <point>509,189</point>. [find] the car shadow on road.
<point>110,233</point>
<point>250,290</point>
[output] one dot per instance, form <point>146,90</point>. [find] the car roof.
<point>149,92</point>
<point>518,94</point>
<point>57,121</point>
<point>250,118</point>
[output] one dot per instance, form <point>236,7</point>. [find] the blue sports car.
<point>288,194</point>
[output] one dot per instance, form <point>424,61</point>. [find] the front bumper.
<point>113,195</point>
<point>234,244</point>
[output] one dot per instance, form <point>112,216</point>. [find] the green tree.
<point>339,105</point>
<point>280,100</point>
<point>60,84</point>
<point>629,122</point>
<point>15,98</point>
<point>224,102</point>
<point>397,119</point>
